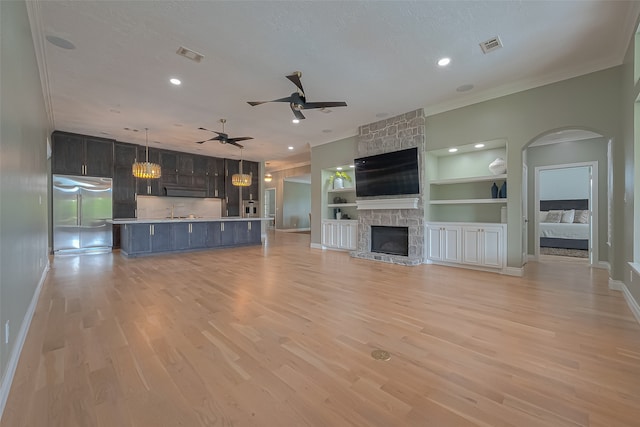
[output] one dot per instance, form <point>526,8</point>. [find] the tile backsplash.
<point>150,207</point>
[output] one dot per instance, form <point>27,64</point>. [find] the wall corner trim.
<point>316,246</point>
<point>14,357</point>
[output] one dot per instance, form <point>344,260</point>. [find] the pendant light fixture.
<point>268,177</point>
<point>146,170</point>
<point>241,179</point>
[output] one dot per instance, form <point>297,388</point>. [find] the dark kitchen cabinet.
<point>215,177</point>
<point>192,170</point>
<point>247,232</point>
<point>232,192</point>
<point>146,238</point>
<point>124,183</point>
<point>228,233</point>
<point>161,237</point>
<point>251,192</point>
<point>189,235</point>
<point>214,234</point>
<point>74,154</point>
<point>169,163</point>
<point>149,187</point>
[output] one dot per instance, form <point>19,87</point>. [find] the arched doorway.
<point>565,192</point>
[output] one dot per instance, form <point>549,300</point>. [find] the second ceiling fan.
<point>224,138</point>
<point>298,101</point>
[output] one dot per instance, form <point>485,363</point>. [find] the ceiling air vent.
<point>190,54</point>
<point>491,44</point>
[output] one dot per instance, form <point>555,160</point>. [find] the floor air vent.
<point>491,44</point>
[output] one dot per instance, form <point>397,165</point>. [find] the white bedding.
<point>564,231</point>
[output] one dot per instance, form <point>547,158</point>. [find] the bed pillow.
<point>568,215</point>
<point>581,217</point>
<point>543,216</point>
<point>554,216</point>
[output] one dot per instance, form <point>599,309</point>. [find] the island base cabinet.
<point>143,239</point>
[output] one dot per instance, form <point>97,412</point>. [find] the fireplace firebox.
<point>390,240</point>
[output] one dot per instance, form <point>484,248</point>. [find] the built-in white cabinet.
<point>444,243</point>
<point>339,234</point>
<point>483,246</point>
<point>471,245</point>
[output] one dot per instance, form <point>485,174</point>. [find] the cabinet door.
<point>472,245</point>
<point>124,209</point>
<point>242,232</point>
<point>149,187</point>
<point>251,192</point>
<point>213,234</point>
<point>180,235</point>
<point>255,232</point>
<point>124,185</point>
<point>169,163</point>
<point>227,233</point>
<point>215,177</point>
<point>67,154</point>
<point>434,243</point>
<point>124,155</point>
<point>198,236</point>
<point>492,247</point>
<point>200,165</point>
<point>347,235</point>
<point>161,237</point>
<point>139,238</point>
<point>98,157</point>
<point>185,164</point>
<point>232,192</point>
<point>451,241</point>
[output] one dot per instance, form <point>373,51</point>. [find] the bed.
<point>564,224</point>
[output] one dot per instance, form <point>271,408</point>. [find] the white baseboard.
<point>316,246</point>
<point>513,271</point>
<point>618,285</point>
<point>292,230</point>
<point>14,357</point>
<point>602,264</point>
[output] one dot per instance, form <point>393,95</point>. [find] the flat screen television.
<point>388,174</point>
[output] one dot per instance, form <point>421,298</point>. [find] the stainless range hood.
<point>180,191</point>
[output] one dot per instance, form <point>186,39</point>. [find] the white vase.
<point>338,183</point>
<point>498,166</point>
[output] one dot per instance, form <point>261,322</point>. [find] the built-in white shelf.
<point>342,190</point>
<point>468,180</point>
<point>404,203</point>
<point>467,201</point>
<point>341,205</point>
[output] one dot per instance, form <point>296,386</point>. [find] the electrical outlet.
<point>6,332</point>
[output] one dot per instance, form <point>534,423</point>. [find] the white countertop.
<point>162,220</point>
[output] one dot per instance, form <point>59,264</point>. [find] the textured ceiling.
<point>380,57</point>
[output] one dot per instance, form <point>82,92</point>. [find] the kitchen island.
<point>142,237</point>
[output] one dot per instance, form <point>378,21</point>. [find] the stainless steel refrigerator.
<point>81,211</point>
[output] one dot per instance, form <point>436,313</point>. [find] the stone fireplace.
<point>393,134</point>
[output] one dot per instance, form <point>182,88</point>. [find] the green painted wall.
<point>277,183</point>
<point>23,174</point>
<point>297,205</point>
<point>589,102</point>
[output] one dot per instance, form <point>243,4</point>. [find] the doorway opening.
<point>270,207</point>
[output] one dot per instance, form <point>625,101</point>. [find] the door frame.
<point>593,206</point>
<point>271,225</point>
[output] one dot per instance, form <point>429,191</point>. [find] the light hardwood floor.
<point>281,335</point>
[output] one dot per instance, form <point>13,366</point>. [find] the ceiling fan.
<point>223,137</point>
<point>298,101</point>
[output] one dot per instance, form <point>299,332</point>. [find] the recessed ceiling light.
<point>290,148</point>
<point>175,81</point>
<point>339,168</point>
<point>352,166</point>
<point>443,62</point>
<point>453,150</point>
<point>479,145</point>
<point>327,130</point>
<point>295,121</point>
<point>60,42</point>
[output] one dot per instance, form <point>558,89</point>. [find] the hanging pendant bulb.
<point>146,170</point>
<point>241,179</point>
